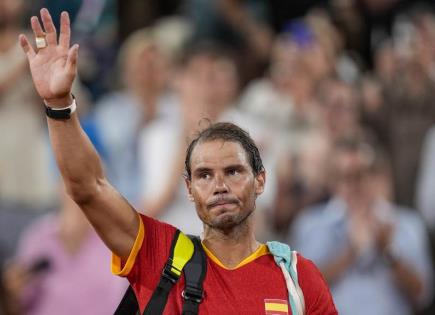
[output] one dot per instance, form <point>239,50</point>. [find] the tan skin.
<point>224,189</point>
<point>53,70</point>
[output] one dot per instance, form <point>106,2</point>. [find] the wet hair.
<point>227,132</point>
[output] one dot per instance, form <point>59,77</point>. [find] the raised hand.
<point>54,66</point>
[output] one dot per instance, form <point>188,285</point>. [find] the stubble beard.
<point>228,222</point>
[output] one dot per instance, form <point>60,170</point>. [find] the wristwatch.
<point>61,113</point>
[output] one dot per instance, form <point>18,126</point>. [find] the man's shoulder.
<point>307,268</point>
<point>153,224</point>
<point>310,278</point>
<point>318,298</point>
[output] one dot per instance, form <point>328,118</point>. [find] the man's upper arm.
<point>113,217</point>
<point>318,298</point>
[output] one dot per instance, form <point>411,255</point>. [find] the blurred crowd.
<point>339,95</point>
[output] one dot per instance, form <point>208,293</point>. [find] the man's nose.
<point>220,185</point>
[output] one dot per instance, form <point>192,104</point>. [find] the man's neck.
<point>231,247</point>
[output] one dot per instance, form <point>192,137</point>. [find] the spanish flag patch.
<point>276,307</point>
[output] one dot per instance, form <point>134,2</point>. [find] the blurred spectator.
<point>402,110</point>
<point>95,29</point>
<point>365,23</point>
<point>302,172</point>
<point>56,258</point>
<point>301,182</point>
<point>425,196</point>
<point>302,58</point>
<point>426,181</point>
<point>286,109</point>
<point>283,11</point>
<point>240,24</point>
<point>4,303</point>
<point>374,254</point>
<point>144,63</point>
<point>283,101</point>
<point>206,83</point>
<point>24,171</point>
<point>137,14</point>
<point>26,187</point>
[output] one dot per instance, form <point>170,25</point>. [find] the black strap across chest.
<point>193,293</point>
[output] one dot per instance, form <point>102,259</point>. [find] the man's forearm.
<point>76,157</point>
<point>335,269</point>
<point>407,279</point>
<point>53,66</point>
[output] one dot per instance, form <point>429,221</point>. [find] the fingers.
<point>50,30</point>
<point>71,62</point>
<point>65,30</point>
<point>25,45</point>
<point>36,27</point>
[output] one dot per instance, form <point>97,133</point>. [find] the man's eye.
<point>233,171</point>
<point>204,175</point>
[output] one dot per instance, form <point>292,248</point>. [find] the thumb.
<point>71,62</point>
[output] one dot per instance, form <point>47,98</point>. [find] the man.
<point>224,177</point>
<point>373,253</point>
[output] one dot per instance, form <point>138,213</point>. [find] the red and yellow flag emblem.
<point>276,307</point>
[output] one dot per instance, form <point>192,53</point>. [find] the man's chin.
<point>228,221</point>
<point>223,218</point>
<point>225,221</point>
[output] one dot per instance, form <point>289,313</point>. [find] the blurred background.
<point>339,95</point>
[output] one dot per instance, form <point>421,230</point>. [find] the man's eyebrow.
<point>201,170</point>
<point>235,166</point>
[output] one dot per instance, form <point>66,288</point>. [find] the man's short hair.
<point>375,158</point>
<point>227,132</point>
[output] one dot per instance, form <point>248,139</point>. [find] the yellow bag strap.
<point>181,252</point>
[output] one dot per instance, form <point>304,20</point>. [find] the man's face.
<point>223,185</point>
<point>353,182</point>
<point>10,11</point>
<point>211,80</point>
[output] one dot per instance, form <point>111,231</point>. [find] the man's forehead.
<point>218,153</point>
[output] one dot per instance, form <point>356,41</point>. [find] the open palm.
<point>53,67</point>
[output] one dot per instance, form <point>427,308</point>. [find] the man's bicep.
<point>318,298</point>
<point>114,219</point>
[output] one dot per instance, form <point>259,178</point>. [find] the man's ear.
<point>189,188</point>
<point>260,181</point>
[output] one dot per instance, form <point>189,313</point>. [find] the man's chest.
<point>244,291</point>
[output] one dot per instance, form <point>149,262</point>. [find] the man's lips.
<point>222,201</point>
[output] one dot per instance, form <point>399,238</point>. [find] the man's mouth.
<point>222,202</point>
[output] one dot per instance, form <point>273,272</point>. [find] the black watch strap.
<point>61,113</point>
